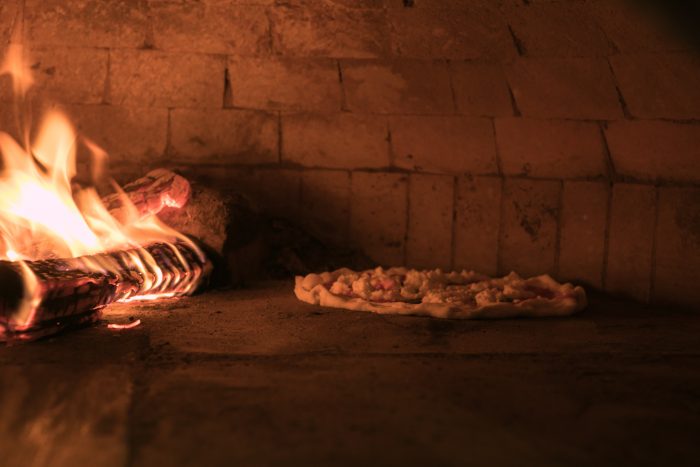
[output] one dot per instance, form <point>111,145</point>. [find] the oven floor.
<point>254,377</point>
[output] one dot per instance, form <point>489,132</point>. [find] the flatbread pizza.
<point>458,295</point>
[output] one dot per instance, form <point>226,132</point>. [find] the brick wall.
<point>540,136</point>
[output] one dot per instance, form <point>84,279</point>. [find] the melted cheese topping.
<point>429,286</point>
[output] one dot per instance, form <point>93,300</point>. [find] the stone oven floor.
<point>253,377</point>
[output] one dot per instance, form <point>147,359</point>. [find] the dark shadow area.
<point>683,16</point>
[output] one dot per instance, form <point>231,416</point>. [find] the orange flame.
<point>43,214</point>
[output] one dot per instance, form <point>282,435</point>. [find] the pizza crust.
<point>568,300</point>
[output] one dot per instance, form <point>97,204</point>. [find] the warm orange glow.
<point>44,214</point>
<point>120,327</point>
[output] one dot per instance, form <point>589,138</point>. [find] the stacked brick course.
<point>557,136</point>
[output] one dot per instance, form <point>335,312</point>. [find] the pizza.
<point>460,295</point>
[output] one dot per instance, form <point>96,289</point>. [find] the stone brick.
<point>448,4</point>
<point>378,215</point>
<point>290,84</point>
<point>529,226</point>
<point>407,87</point>
<point>70,76</point>
<point>480,89</point>
<point>652,150</point>
<point>630,240</point>
<point>131,136</point>
<point>430,213</point>
<point>328,29</point>
<point>474,31</point>
<point>51,418</point>
<point>637,26</point>
<point>550,148</point>
<point>325,204</point>
<point>232,2</point>
<point>659,85</point>
<point>224,136</point>
<point>218,28</point>
<point>478,217</point>
<point>157,79</point>
<point>274,190</point>
<point>335,140</point>
<point>9,11</point>
<point>582,232</point>
<point>443,144</point>
<point>278,192</point>
<point>677,259</point>
<point>580,88</point>
<point>558,29</point>
<point>86,23</point>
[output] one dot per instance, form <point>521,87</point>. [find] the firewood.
<point>157,190</point>
<point>73,291</point>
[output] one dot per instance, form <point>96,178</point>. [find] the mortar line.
<point>620,96</point>
<point>341,83</point>
<point>228,90</point>
<point>452,86</point>
<point>149,39</point>
<point>513,102</point>
<point>293,165</point>
<point>609,163</point>
<point>519,46</point>
<point>497,148</point>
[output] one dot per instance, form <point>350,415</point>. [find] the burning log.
<point>39,298</point>
<point>198,212</point>
<point>150,194</point>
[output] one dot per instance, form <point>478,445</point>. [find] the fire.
<point>44,214</point>
<point>121,327</point>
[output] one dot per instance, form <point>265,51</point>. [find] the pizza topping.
<point>465,289</point>
<point>340,288</point>
<point>450,294</point>
<point>464,294</point>
<point>539,291</point>
<point>488,296</point>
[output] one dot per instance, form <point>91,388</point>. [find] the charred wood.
<point>70,292</point>
<point>157,190</point>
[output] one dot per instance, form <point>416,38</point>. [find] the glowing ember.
<point>45,215</point>
<point>147,297</point>
<point>120,327</point>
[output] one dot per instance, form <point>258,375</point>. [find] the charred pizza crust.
<point>456,295</point>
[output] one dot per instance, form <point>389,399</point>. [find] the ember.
<point>121,327</point>
<point>65,253</point>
